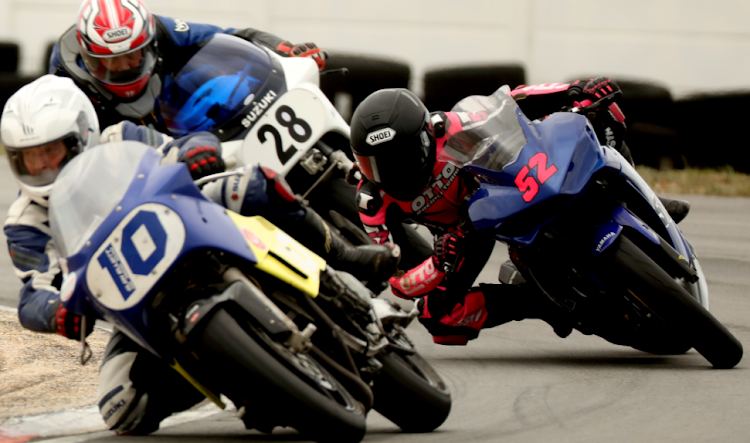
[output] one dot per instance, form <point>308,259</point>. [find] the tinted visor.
<point>39,165</point>
<point>121,69</point>
<point>401,168</point>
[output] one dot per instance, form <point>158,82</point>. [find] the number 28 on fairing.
<point>528,185</point>
<point>135,255</point>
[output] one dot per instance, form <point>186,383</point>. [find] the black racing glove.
<point>600,91</point>
<point>446,251</point>
<point>596,99</point>
<point>68,324</point>
<point>202,160</point>
<point>303,50</point>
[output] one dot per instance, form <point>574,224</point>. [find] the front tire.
<point>659,292</point>
<point>410,393</point>
<point>278,386</point>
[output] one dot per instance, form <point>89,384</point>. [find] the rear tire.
<point>288,389</point>
<point>660,293</point>
<point>410,393</point>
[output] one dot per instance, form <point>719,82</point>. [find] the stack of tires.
<point>709,126</point>
<point>10,81</point>
<point>363,76</point>
<point>444,87</point>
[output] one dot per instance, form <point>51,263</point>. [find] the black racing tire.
<point>676,307</point>
<point>410,393</point>
<point>445,86</point>
<point>304,395</point>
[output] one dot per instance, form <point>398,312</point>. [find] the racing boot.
<point>371,263</point>
<point>506,303</point>
<point>677,209</point>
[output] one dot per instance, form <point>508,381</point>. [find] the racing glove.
<point>202,159</point>
<point>303,50</point>
<point>596,100</point>
<point>601,91</point>
<point>68,324</point>
<point>446,249</point>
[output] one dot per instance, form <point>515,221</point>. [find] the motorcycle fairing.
<point>293,123</point>
<point>280,255</point>
<point>224,88</point>
<point>569,156</point>
<point>608,232</point>
<point>116,263</point>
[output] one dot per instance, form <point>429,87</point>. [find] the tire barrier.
<point>707,136</point>
<point>8,57</point>
<point>650,118</point>
<point>365,75</point>
<point>444,87</point>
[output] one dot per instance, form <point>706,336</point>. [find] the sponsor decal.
<point>435,191</point>
<point>259,108</point>
<point>415,280</point>
<point>380,136</point>
<point>253,239</point>
<point>610,137</point>
<point>601,243</point>
<point>110,260</point>
<point>117,35</point>
<point>113,409</point>
<point>68,286</point>
<point>24,259</point>
<point>180,26</point>
<point>476,317</point>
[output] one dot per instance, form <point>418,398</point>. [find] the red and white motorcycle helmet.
<point>117,44</point>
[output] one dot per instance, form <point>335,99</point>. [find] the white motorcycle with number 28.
<point>268,109</point>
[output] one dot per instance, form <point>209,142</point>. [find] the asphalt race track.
<point>521,383</point>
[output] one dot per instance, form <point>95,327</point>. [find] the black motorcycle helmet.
<point>393,142</point>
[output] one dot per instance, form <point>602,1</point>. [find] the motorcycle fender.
<point>238,296</point>
<point>608,232</point>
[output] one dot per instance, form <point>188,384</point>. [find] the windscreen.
<point>88,189</point>
<point>491,134</point>
<point>218,82</point>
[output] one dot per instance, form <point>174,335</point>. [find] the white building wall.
<point>688,45</point>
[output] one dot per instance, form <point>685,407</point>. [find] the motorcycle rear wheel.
<point>277,386</point>
<point>648,282</point>
<point>410,393</point>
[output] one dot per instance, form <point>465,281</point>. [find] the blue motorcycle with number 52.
<point>586,230</point>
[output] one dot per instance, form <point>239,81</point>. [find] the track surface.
<point>521,383</point>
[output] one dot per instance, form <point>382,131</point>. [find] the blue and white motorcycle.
<point>232,303</point>
<point>269,110</point>
<point>586,230</point>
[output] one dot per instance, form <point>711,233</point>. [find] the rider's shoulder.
<point>25,211</point>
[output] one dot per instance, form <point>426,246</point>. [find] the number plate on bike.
<point>286,131</point>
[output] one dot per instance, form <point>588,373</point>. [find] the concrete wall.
<point>688,45</point>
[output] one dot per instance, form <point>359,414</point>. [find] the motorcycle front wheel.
<point>410,393</point>
<point>658,291</point>
<point>276,386</point>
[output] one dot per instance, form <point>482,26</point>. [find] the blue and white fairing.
<point>538,168</point>
<point>122,221</point>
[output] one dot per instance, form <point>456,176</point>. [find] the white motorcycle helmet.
<point>44,125</point>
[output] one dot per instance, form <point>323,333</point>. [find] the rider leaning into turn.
<point>119,54</point>
<point>396,141</point>
<point>47,123</point>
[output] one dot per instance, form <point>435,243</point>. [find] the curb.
<point>77,425</point>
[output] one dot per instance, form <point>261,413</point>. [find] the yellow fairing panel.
<point>280,255</point>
